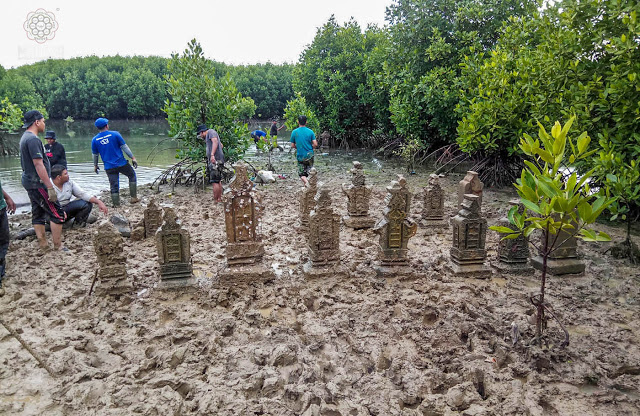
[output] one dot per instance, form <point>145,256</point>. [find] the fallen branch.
<point>27,347</point>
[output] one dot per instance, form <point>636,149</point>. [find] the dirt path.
<point>363,345</point>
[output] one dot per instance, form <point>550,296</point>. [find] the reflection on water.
<point>155,151</point>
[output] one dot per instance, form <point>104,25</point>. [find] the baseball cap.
<point>50,134</point>
<point>201,128</point>
<point>31,116</point>
<point>101,122</point>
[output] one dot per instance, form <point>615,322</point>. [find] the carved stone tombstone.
<point>151,221</point>
<point>174,252</point>
<point>307,198</point>
<point>324,239</point>
<point>469,238</point>
<point>112,262</point>
<point>513,255</point>
<point>433,208</point>
<point>470,185</point>
<point>245,249</point>
<point>564,260</point>
<point>395,229</point>
<point>358,196</point>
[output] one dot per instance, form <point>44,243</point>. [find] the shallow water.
<point>155,151</point>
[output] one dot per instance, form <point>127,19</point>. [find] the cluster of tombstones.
<point>321,225</point>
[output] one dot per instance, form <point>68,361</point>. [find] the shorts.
<point>304,167</point>
<point>43,209</point>
<point>214,172</point>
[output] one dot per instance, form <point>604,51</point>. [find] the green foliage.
<point>21,92</point>
<point>552,203</point>
<point>572,58</point>
<point>198,97</point>
<point>331,76</point>
<point>10,116</point>
<point>429,40</point>
<point>623,180</point>
<point>269,85</point>
<point>409,151</point>
<point>298,107</point>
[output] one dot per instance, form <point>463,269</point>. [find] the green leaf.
<point>511,236</point>
<point>531,206</point>
<point>611,177</point>
<point>501,229</point>
<point>583,142</point>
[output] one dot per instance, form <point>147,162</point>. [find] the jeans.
<point>114,176</point>
<point>78,209</point>
<point>4,239</point>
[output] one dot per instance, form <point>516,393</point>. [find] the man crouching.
<point>66,189</point>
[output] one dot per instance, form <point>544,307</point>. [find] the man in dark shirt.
<point>54,150</point>
<point>36,172</point>
<point>215,159</point>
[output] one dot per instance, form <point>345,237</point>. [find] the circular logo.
<point>41,26</point>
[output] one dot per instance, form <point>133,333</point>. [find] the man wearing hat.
<point>215,159</point>
<point>110,146</point>
<point>36,171</point>
<point>54,150</point>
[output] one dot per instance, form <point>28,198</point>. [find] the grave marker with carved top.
<point>112,262</point>
<point>307,198</point>
<point>174,252</point>
<point>471,184</point>
<point>358,196</point>
<point>469,238</point>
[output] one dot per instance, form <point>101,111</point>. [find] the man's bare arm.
<point>42,173</point>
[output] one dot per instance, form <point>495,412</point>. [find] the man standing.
<point>215,159</point>
<point>274,132</point>
<point>36,171</point>
<point>54,150</point>
<point>303,139</point>
<point>6,206</point>
<point>110,145</point>
<point>79,208</point>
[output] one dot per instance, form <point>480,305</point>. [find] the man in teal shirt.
<point>303,139</point>
<point>6,206</point>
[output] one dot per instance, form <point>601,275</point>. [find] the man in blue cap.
<point>110,146</point>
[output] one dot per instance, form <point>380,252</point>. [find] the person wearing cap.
<point>7,206</point>
<point>36,172</point>
<point>54,150</point>
<point>75,201</point>
<point>215,159</point>
<point>110,146</point>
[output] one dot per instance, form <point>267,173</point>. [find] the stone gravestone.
<point>245,249</point>
<point>358,196</point>
<point>470,185</point>
<point>112,262</point>
<point>564,260</point>
<point>307,198</point>
<point>395,229</point>
<point>151,221</point>
<point>433,208</point>
<point>174,252</point>
<point>469,238</point>
<point>513,255</point>
<point>324,239</point>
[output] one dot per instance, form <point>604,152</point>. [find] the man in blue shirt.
<point>303,139</point>
<point>110,146</point>
<point>256,135</point>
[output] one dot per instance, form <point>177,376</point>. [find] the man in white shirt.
<point>78,208</point>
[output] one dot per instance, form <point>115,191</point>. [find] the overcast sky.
<point>230,31</point>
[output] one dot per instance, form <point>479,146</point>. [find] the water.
<point>154,152</point>
<point>148,141</point>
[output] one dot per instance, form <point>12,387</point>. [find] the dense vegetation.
<point>129,87</point>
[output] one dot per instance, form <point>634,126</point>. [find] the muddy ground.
<point>363,345</point>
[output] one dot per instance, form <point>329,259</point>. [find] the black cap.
<point>50,134</point>
<point>201,128</point>
<point>31,116</point>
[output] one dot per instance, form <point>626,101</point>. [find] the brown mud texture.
<point>366,344</point>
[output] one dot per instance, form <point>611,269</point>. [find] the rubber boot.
<point>115,198</point>
<point>133,191</point>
